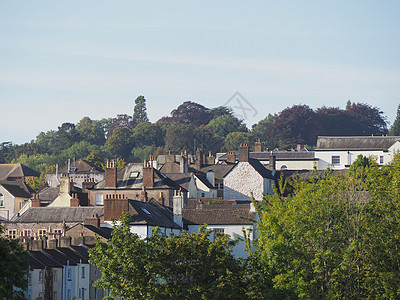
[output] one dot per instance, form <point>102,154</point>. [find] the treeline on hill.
<point>133,138</point>
<point>321,236</point>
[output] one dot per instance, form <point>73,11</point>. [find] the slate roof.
<point>16,171</point>
<point>151,213</point>
<point>60,257</point>
<point>183,179</point>
<point>34,263</point>
<point>45,259</point>
<point>49,193</point>
<point>59,214</point>
<point>234,215</point>
<point>79,166</point>
<point>17,188</point>
<point>279,155</point>
<point>356,142</point>
<point>74,255</point>
<point>104,232</point>
<point>219,170</point>
<point>125,181</point>
<point>259,168</point>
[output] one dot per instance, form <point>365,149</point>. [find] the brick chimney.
<point>115,206</point>
<point>110,180</point>
<point>74,202</point>
<point>94,220</point>
<point>52,243</point>
<point>231,157</point>
<point>153,161</point>
<point>36,244</point>
<point>258,146</point>
<point>148,175</point>
<point>87,184</point>
<point>244,153</point>
<point>143,195</point>
<point>65,185</point>
<point>35,202</point>
<point>199,159</point>
<point>65,241</point>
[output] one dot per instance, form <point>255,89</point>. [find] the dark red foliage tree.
<point>189,113</point>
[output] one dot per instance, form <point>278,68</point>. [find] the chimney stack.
<point>177,208</point>
<point>148,175</point>
<point>35,201</point>
<point>183,164</point>
<point>258,146</point>
<point>272,161</point>
<point>110,176</point>
<point>114,207</point>
<point>298,147</point>
<point>244,153</point>
<point>231,157</point>
<point>94,220</point>
<point>74,202</point>
<point>199,159</point>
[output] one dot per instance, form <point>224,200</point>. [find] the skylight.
<point>146,211</point>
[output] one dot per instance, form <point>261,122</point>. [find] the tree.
<point>6,152</point>
<point>180,137</point>
<point>66,136</point>
<point>312,241</point>
<point>120,143</point>
<point>261,129</point>
<point>225,124</point>
<point>189,113</point>
<point>184,266</point>
<point>13,269</point>
<point>139,111</point>
<point>121,121</point>
<point>367,120</point>
<point>295,125</point>
<point>148,134</point>
<point>91,131</point>
<point>395,129</point>
<point>234,139</point>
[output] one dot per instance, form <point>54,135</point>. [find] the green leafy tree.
<point>312,241</point>
<point>148,134</point>
<point>180,137</point>
<point>13,269</point>
<point>120,143</point>
<point>6,152</point>
<point>184,266</point>
<point>139,111</point>
<point>234,139</point>
<point>395,129</point>
<point>225,124</point>
<point>91,131</point>
<point>141,153</point>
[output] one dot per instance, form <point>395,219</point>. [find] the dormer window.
<point>134,174</point>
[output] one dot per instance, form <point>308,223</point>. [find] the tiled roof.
<point>45,259</point>
<point>234,215</point>
<point>219,170</point>
<point>16,171</point>
<point>279,155</point>
<point>151,213</point>
<point>125,181</point>
<point>17,188</point>
<point>356,142</point>
<point>59,214</point>
<point>79,166</point>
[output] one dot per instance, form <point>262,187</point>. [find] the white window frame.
<point>42,232</point>
<point>335,159</point>
<point>99,199</point>
<point>1,200</point>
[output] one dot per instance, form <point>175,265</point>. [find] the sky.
<point>63,60</point>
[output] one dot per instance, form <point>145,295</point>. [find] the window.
<point>55,275</point>
<point>381,159</point>
<point>69,273</point>
<point>146,211</point>
<point>42,232</point>
<point>99,199</point>
<point>95,293</point>
<point>221,186</point>
<point>55,296</point>
<point>134,175</point>
<point>95,271</point>
<point>58,231</point>
<point>203,195</point>
<point>12,233</point>
<point>27,232</point>
<point>29,279</point>
<point>219,230</point>
<point>83,294</point>
<point>41,276</point>
<point>335,160</point>
<point>83,272</point>
<point>1,200</point>
<point>69,294</point>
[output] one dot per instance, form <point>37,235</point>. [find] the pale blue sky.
<point>62,61</point>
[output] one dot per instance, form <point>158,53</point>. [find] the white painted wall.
<point>348,157</point>
<point>233,231</point>
<point>243,180</point>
